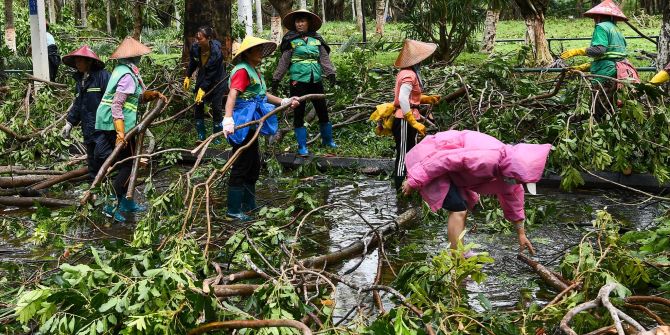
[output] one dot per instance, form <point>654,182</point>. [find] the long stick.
<point>135,168</point>
<point>146,121</point>
<point>59,179</point>
<point>255,324</point>
<point>641,33</point>
<point>550,278</point>
<point>30,201</point>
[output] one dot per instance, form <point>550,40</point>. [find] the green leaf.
<point>109,304</point>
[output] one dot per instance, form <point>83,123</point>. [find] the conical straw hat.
<point>314,20</point>
<point>413,52</point>
<point>606,8</point>
<point>130,48</point>
<point>250,42</point>
<point>85,52</point>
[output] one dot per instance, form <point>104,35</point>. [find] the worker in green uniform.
<point>305,55</point>
<point>608,50</point>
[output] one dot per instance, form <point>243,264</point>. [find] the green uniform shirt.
<point>256,82</point>
<point>103,116</point>
<point>608,35</point>
<point>305,66</point>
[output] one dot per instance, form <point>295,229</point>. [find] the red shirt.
<point>240,80</point>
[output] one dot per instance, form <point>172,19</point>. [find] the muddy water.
<point>509,282</point>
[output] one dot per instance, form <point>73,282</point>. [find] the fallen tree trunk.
<point>59,179</point>
<point>31,201</point>
<point>19,181</point>
<point>351,251</point>
<point>255,324</point>
<point>20,170</point>
<point>548,276</point>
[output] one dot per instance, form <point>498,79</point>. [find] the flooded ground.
<point>509,282</point>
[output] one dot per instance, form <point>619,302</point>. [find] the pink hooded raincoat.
<point>477,164</point>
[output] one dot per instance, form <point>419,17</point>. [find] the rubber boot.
<point>113,211</point>
<point>130,206</point>
<point>327,135</point>
<point>235,195</point>
<point>200,129</point>
<point>301,138</point>
<point>217,127</point>
<point>249,198</point>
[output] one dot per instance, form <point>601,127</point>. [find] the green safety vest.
<point>305,66</point>
<point>256,82</point>
<point>103,116</point>
<point>609,36</point>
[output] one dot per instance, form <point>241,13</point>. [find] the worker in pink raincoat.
<point>450,169</point>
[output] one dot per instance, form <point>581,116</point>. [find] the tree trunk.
<point>359,15</point>
<point>215,13</point>
<point>108,16</point>
<point>245,16</point>
<point>663,57</point>
<point>533,14</point>
<point>323,10</point>
<point>353,10</point>
<point>10,32</point>
<point>303,4</point>
<point>282,6</point>
<point>334,9</point>
<point>52,11</point>
<point>177,17</point>
<point>490,26</point>
<point>259,17</point>
<point>381,19</point>
<point>275,27</point>
<point>138,16</point>
<point>84,14</point>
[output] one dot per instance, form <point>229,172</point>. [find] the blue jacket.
<point>213,72</point>
<point>88,96</point>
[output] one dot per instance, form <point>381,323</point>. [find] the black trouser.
<point>247,167</point>
<point>53,56</point>
<point>90,157</point>
<point>215,100</point>
<point>105,141</point>
<point>405,139</point>
<point>299,89</point>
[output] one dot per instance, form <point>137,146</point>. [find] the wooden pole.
<point>136,166</point>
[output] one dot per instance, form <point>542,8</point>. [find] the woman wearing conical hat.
<point>247,101</point>
<point>91,82</point>
<point>608,50</point>
<point>408,95</point>
<point>116,115</point>
<point>305,55</point>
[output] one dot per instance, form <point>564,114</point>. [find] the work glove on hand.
<point>573,52</point>
<point>148,96</point>
<point>660,78</point>
<point>65,132</point>
<point>581,67</point>
<point>293,101</point>
<point>228,125</point>
<point>199,96</point>
<point>274,87</point>
<point>430,99</point>
<point>187,83</point>
<point>120,128</point>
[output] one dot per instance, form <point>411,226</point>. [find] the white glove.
<point>228,125</point>
<point>65,132</point>
<point>286,101</point>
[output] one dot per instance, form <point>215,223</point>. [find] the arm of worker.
<point>403,98</point>
<point>228,121</point>
<point>293,101</point>
<point>326,64</point>
<point>192,62</point>
<point>512,201</point>
<point>282,68</point>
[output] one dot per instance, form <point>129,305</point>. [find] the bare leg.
<point>455,226</point>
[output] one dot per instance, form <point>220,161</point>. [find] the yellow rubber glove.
<point>199,96</point>
<point>120,128</point>
<point>660,78</point>
<point>430,99</point>
<point>187,83</point>
<point>573,52</point>
<point>581,67</point>
<point>382,111</point>
<point>415,124</point>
